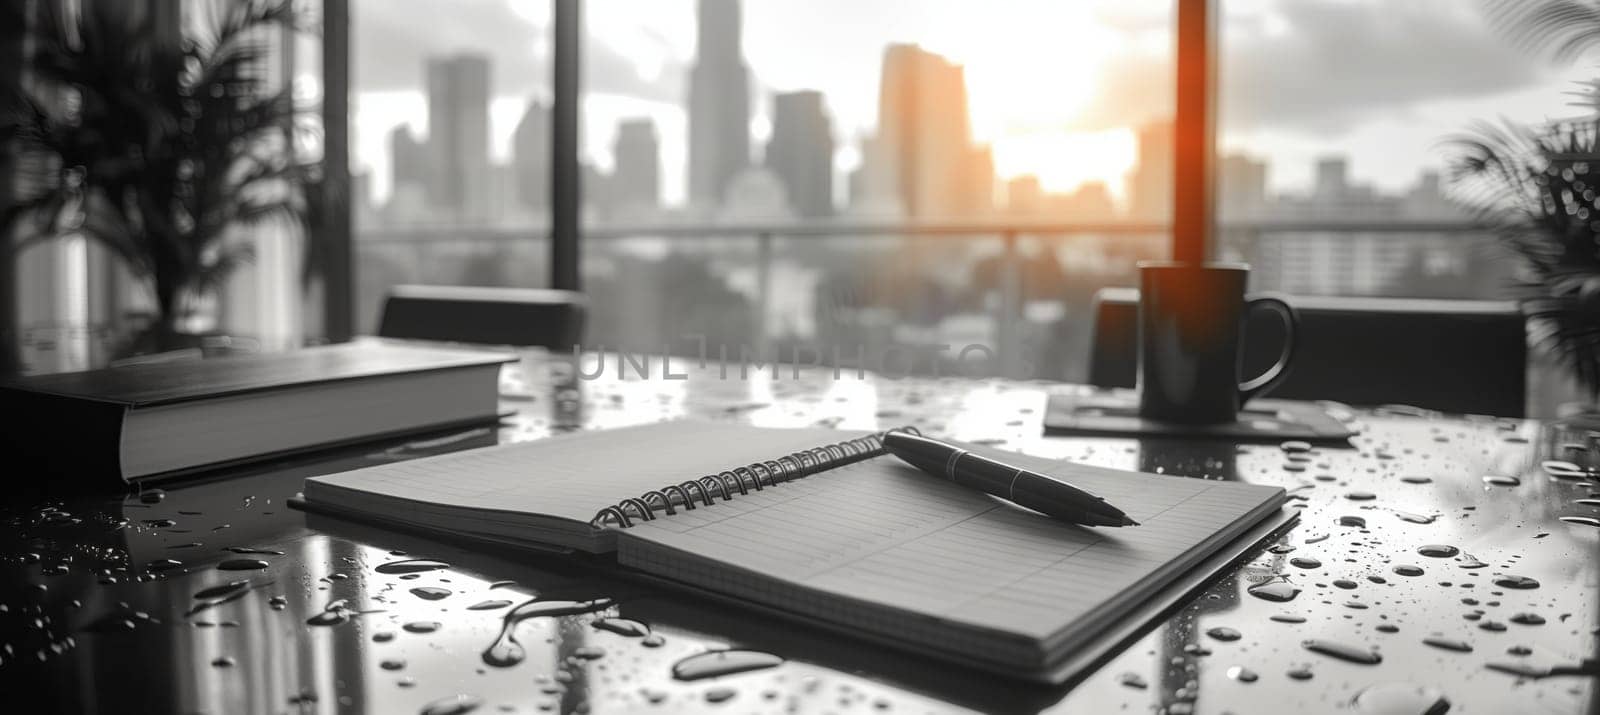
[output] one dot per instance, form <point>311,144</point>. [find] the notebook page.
<point>573,476</point>
<point>882,532</point>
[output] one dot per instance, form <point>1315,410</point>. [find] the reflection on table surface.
<point>1470,592</point>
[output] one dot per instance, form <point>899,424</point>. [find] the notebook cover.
<point>1077,663</point>
<point>1073,666</point>
<point>1116,413</point>
<point>149,384</point>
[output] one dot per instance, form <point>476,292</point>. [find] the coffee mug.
<point>1191,320</point>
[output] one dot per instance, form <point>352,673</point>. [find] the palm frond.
<point>1564,29</point>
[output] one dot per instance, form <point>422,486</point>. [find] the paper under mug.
<point>1191,324</point>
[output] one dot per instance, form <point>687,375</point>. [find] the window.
<point>1336,121</point>
<point>761,176</point>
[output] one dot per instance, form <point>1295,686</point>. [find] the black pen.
<point>1039,492</point>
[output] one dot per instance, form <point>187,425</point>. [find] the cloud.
<point>1324,66</point>
<point>392,41</point>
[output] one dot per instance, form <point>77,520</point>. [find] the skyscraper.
<point>1150,182</point>
<point>636,183</point>
<point>409,171</point>
<point>530,157</point>
<point>458,136</point>
<point>1332,178</point>
<point>801,152</point>
<point>923,153</point>
<point>719,104</point>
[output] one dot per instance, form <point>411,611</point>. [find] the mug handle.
<point>1263,383</point>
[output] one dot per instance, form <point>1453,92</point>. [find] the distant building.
<point>636,182</point>
<point>1332,179</point>
<point>458,136</point>
<point>1091,201</point>
<point>409,164</point>
<point>801,151</point>
<point>1242,188</point>
<point>1024,196</point>
<point>1150,182</point>
<point>923,152</point>
<point>719,104</point>
<point>530,158</point>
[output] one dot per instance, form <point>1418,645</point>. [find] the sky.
<point>1056,86</point>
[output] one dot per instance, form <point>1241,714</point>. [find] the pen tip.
<point>1129,522</point>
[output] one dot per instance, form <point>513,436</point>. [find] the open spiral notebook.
<point>817,524</point>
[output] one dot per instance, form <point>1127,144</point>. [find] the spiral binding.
<point>756,476</point>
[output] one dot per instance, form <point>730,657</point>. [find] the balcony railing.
<point>1237,241</point>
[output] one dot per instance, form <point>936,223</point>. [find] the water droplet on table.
<point>622,627</point>
<point>1417,479</point>
<point>1305,562</point>
<point>1360,496</point>
<point>420,627</point>
<point>159,523</point>
<point>392,664</point>
<point>718,663</point>
<point>1300,674</point>
<point>1500,480</point>
<point>1492,626</point>
<point>1352,520</point>
<point>410,566</point>
<point>1562,469</point>
<point>1341,651</point>
<point>1345,584</point>
<point>1288,618</point>
<point>254,550</point>
<point>1519,650</point>
<point>505,651</point>
<point>1450,644</point>
<point>488,605</point>
<point>1242,674</point>
<point>226,661</point>
<point>430,593</point>
<point>1387,628</point>
<point>1581,520</point>
<point>333,614</point>
<point>1413,518</point>
<point>1521,583</point>
<point>453,705</point>
<point>1225,634</point>
<point>163,565</point>
<point>242,565</point>
<point>1277,590</point>
<point>1133,680</point>
<point>1294,446</point>
<point>227,589</point>
<point>1527,619</point>
<point>720,694</point>
<point>1438,551</point>
<point>1400,699</point>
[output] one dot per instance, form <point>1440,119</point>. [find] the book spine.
<point>706,490</point>
<point>63,442</point>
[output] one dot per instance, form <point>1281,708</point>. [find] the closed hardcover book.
<point>159,420</point>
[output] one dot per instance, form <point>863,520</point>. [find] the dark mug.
<point>1191,321</point>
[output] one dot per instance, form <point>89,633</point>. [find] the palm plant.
<point>1538,186</point>
<point>166,152</point>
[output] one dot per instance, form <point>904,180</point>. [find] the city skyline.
<point>1105,72</point>
<point>921,164</point>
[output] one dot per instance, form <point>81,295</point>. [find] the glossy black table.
<point>1414,584</point>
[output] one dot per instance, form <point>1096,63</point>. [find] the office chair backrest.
<point>1465,356</point>
<point>552,319</point>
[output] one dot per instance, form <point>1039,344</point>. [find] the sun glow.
<point>1031,70</point>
